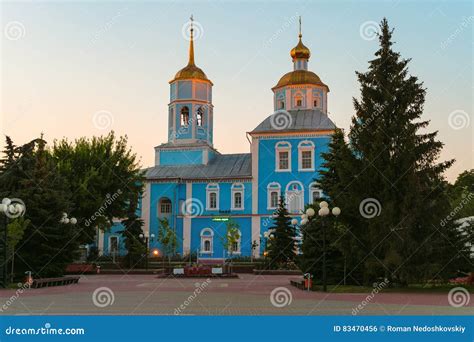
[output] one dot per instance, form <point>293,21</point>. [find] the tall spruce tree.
<point>281,247</point>
<point>394,164</point>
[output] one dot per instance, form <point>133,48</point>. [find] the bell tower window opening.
<point>199,116</point>
<point>185,116</point>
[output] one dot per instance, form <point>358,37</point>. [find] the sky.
<point>83,68</point>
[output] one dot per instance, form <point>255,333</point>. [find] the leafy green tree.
<point>281,245</point>
<point>167,238</point>
<point>103,174</point>
<point>231,237</point>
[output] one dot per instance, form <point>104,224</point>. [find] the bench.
<point>46,282</point>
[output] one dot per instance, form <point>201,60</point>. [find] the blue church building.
<point>198,189</point>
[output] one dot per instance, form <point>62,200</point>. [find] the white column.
<point>255,216</point>
<point>100,242</point>
<point>146,208</point>
<point>187,222</point>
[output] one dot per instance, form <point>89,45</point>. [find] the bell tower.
<point>190,116</point>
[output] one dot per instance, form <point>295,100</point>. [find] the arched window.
<point>315,193</point>
<point>298,99</point>
<point>199,116</point>
<point>273,191</point>
<point>294,197</point>
<point>237,192</point>
<point>207,237</point>
<point>164,206</point>
<point>283,156</point>
<point>212,192</point>
<point>185,116</point>
<point>282,104</point>
<point>306,156</point>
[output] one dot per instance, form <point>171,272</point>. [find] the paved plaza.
<point>247,295</point>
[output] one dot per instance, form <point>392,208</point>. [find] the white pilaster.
<point>146,208</point>
<point>187,222</point>
<point>255,218</point>
<point>100,242</point>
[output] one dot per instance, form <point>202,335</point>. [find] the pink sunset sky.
<point>72,69</point>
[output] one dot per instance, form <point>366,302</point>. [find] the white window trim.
<point>238,252</point>
<point>207,238</point>
<point>110,243</point>
<point>270,188</point>
<point>305,145</point>
<point>301,194</point>
<point>314,187</point>
<point>282,146</point>
<point>212,187</point>
<point>237,188</point>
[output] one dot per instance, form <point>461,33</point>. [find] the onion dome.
<point>300,50</point>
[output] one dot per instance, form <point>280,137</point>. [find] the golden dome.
<point>299,77</point>
<point>191,71</point>
<point>300,51</point>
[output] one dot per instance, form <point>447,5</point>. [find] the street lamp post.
<point>322,212</point>
<point>9,210</point>
<point>145,238</point>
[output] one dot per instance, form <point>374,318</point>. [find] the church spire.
<point>191,43</point>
